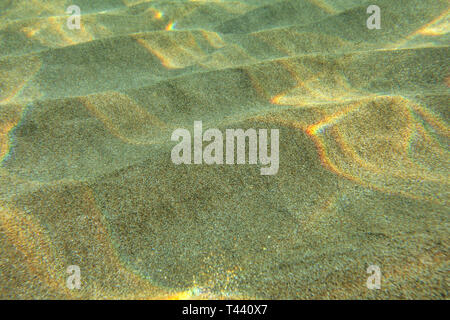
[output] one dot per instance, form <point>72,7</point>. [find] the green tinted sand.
<point>86,176</point>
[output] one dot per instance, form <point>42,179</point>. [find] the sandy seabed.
<point>86,176</point>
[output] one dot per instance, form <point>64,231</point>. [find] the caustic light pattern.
<point>86,177</point>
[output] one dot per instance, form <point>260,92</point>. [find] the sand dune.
<point>86,177</point>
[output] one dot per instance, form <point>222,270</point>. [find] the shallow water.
<point>86,177</point>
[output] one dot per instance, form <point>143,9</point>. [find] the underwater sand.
<point>86,177</point>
